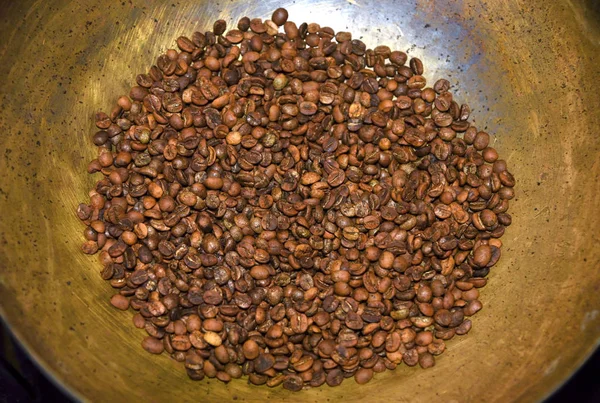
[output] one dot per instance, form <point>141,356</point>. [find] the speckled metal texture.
<point>529,70</point>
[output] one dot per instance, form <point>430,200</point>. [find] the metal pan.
<point>529,70</point>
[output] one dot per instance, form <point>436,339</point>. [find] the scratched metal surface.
<point>529,70</point>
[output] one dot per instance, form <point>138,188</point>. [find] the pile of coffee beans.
<point>292,206</point>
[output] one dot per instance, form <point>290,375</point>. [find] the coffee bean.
<point>443,317</point>
<point>152,345</point>
<point>120,302</point>
<point>213,325</point>
<point>416,65</point>
<point>354,321</point>
<point>264,362</point>
<point>298,323</point>
<point>293,383</point>
<point>424,338</point>
<point>336,178</point>
<point>219,27</point>
<point>441,85</point>
<point>244,24</point>
<point>213,183</point>
<point>280,16</point>
<point>334,377</point>
<point>363,375</point>
<point>422,321</point>
<point>304,364</point>
<point>223,376</point>
<point>90,247</point>
<point>213,339</point>
<point>482,255</point>
<point>426,360</point>
<point>410,357</point>
<point>472,308</point>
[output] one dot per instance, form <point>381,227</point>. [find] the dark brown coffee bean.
<point>416,65</point>
<point>279,16</point>
<point>185,44</point>
<point>293,383</point>
<point>219,27</point>
<point>441,86</point>
<point>244,24</point>
<point>264,362</point>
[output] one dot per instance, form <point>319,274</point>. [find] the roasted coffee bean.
<point>293,383</point>
<point>279,16</point>
<point>411,357</point>
<point>120,302</point>
<point>482,255</point>
<point>363,375</point>
<point>153,345</point>
<point>294,206</point>
<point>264,362</point>
<point>213,338</point>
<point>219,27</point>
<point>472,308</point>
<point>426,360</point>
<point>334,377</point>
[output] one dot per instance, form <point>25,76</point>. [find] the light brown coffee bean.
<point>120,302</point>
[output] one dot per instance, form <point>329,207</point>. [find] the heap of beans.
<point>294,207</point>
